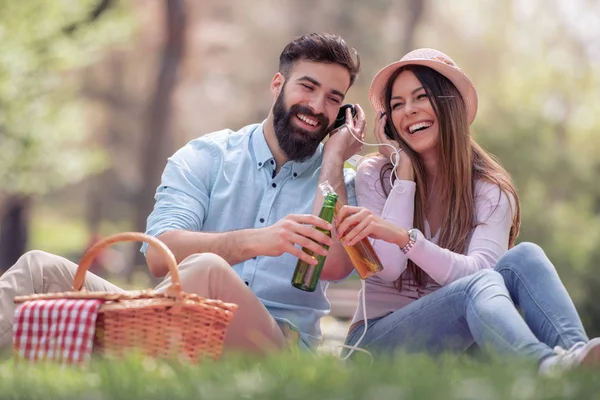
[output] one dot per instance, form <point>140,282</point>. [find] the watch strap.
<point>412,238</point>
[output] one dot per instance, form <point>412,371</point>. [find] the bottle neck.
<point>328,209</point>
<point>330,200</point>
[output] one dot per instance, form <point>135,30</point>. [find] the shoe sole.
<point>591,358</point>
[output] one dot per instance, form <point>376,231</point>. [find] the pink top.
<point>487,243</point>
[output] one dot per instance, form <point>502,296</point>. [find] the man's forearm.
<point>337,265</point>
<point>333,172</point>
<point>233,246</point>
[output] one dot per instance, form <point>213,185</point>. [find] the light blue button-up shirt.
<point>223,181</point>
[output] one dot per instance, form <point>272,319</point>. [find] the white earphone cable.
<point>355,347</point>
<point>394,161</point>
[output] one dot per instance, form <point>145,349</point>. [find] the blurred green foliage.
<point>44,142</point>
<point>541,118</point>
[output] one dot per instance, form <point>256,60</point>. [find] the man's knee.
<point>39,261</point>
<point>37,256</point>
<point>40,272</point>
<point>205,274</point>
<point>205,264</point>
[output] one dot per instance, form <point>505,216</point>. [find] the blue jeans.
<point>482,308</point>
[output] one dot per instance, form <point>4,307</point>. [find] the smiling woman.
<point>413,113</point>
<point>440,228</point>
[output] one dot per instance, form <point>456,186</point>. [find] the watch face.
<point>412,235</point>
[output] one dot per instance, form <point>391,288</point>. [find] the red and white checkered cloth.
<point>59,330</point>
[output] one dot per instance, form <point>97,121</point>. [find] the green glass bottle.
<point>306,276</point>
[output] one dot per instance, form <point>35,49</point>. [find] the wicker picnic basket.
<point>169,324</point>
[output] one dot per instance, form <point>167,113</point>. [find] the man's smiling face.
<point>307,105</point>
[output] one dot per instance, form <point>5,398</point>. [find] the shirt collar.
<point>298,168</point>
<point>263,154</point>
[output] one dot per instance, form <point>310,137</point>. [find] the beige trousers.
<point>208,275</point>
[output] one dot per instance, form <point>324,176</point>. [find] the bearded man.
<point>236,207</point>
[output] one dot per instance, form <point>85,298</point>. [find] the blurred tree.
<point>157,143</point>
<point>42,140</point>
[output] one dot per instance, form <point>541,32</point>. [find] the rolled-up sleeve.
<point>182,198</point>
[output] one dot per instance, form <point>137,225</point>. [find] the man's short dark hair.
<point>321,48</point>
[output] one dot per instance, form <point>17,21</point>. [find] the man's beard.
<point>297,143</point>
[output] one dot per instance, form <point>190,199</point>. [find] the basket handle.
<point>92,252</point>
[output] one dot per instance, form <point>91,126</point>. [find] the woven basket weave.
<point>169,324</point>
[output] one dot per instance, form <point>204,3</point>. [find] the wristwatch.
<point>412,238</point>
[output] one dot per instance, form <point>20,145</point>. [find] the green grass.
<point>288,376</point>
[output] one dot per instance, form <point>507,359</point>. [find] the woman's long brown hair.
<point>461,162</point>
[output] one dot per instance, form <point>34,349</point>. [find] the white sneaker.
<point>580,354</point>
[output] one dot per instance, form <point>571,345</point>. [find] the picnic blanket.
<point>59,330</point>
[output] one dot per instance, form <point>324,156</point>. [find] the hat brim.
<point>457,77</point>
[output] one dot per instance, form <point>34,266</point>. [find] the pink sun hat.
<point>433,59</point>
